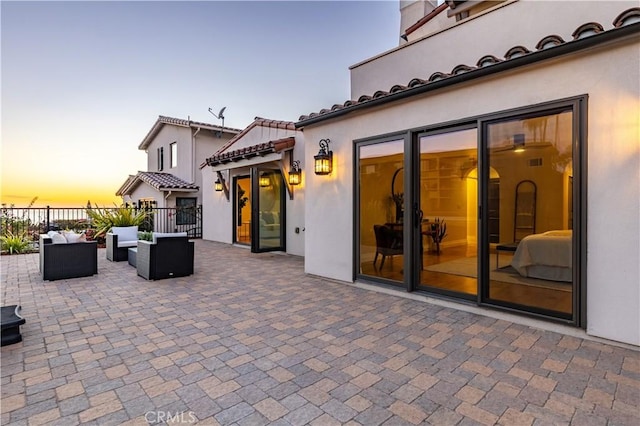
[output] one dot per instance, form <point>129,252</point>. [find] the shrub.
<point>14,244</point>
<point>104,219</point>
<point>145,236</point>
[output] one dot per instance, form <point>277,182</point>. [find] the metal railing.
<point>33,221</point>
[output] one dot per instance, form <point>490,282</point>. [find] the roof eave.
<point>528,59</point>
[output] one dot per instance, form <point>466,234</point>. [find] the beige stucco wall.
<point>491,33</point>
<point>218,211</point>
<point>191,153</point>
<point>609,75</point>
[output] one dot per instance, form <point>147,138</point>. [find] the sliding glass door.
<point>380,209</point>
<point>448,199</point>
<point>530,264</point>
<point>487,210</point>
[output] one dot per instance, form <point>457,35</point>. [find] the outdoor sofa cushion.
<point>127,235</point>
<point>157,235</point>
<point>119,240</point>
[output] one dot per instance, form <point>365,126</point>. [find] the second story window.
<point>160,159</point>
<point>174,154</point>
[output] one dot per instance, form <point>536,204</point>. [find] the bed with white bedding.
<point>546,256</point>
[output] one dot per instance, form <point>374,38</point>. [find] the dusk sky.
<point>83,82</point>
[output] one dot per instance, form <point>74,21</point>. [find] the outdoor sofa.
<point>168,255</point>
<point>60,259</point>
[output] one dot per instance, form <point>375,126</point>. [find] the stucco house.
<point>491,158</point>
<point>175,148</point>
<point>252,191</point>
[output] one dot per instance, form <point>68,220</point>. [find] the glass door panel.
<point>269,210</point>
<point>242,210</point>
<point>530,261</point>
<point>448,199</point>
<point>380,208</point>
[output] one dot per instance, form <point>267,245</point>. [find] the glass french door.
<point>242,210</point>
<point>447,218</point>
<point>268,210</point>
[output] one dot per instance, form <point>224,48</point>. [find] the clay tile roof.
<point>586,30</point>
<point>258,121</point>
<point>260,149</point>
<point>549,41</point>
<point>162,181</point>
<point>164,120</point>
<point>629,18</point>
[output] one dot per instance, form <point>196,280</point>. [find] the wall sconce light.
<point>518,142</point>
<point>218,185</point>
<point>264,181</point>
<point>295,174</point>
<point>323,162</point>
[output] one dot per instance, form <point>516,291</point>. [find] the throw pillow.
<point>71,236</point>
<point>57,238</point>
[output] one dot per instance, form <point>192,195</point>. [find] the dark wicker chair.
<point>388,243</point>
<point>71,260</point>
<point>168,257</point>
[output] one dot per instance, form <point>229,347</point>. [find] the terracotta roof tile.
<point>626,18</point>
<point>160,181</point>
<point>260,149</point>
<point>258,121</point>
<point>164,120</point>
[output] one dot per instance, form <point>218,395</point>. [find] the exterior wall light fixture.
<point>295,174</point>
<point>264,181</point>
<point>218,185</point>
<point>323,162</point>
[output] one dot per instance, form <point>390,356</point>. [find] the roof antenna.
<point>219,116</point>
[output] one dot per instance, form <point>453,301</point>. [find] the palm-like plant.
<point>14,243</point>
<point>104,219</point>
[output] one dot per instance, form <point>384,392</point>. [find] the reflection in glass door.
<point>268,212</point>
<point>242,209</point>
<point>530,265</point>
<point>448,200</point>
<point>380,208</point>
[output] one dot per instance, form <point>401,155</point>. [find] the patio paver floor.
<point>249,339</point>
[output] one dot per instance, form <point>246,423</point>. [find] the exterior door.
<point>268,210</point>
<point>445,224</point>
<point>242,210</point>
<point>531,266</point>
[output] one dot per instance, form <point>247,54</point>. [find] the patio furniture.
<point>131,257</point>
<point>10,323</point>
<point>169,255</point>
<point>67,260</point>
<point>119,239</point>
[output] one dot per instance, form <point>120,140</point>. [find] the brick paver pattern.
<point>250,339</point>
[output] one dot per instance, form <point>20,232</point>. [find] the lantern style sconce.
<point>323,162</point>
<point>295,174</point>
<point>218,185</point>
<point>264,181</point>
